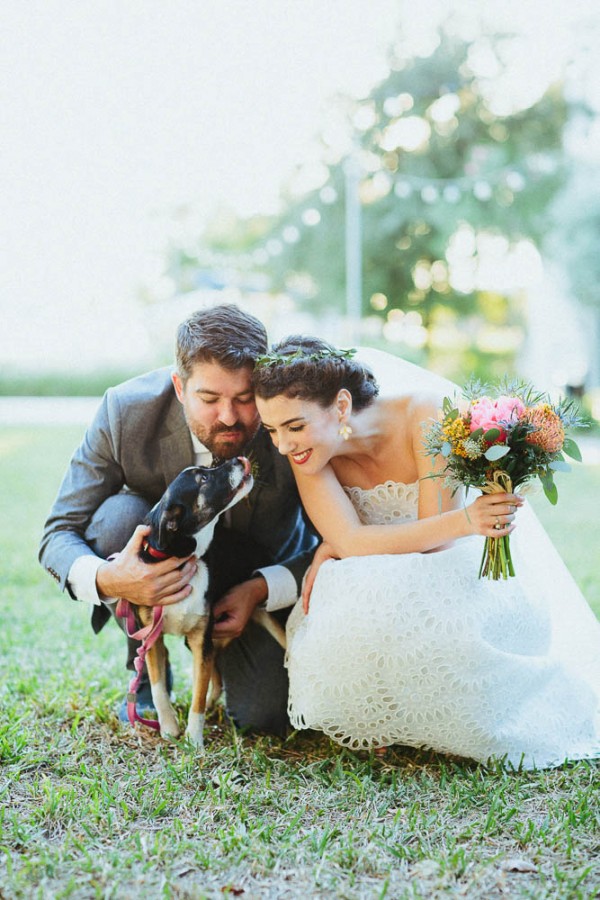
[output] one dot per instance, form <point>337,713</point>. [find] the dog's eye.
<point>200,478</point>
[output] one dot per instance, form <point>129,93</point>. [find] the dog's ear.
<point>168,526</point>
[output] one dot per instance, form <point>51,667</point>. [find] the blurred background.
<point>425,181</point>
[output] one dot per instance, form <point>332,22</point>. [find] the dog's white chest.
<point>185,616</point>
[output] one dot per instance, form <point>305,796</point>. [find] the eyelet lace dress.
<point>414,649</point>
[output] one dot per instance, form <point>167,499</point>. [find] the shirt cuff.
<point>281,586</point>
<point>82,579</point>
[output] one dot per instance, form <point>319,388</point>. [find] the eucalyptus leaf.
<point>492,434</point>
<point>550,489</point>
<point>496,452</point>
<point>446,449</point>
<point>559,465</point>
<point>571,449</point>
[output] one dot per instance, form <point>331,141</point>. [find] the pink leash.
<point>148,636</point>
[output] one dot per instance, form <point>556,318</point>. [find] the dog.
<point>184,522</point>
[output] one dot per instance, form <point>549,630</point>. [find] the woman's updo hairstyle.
<point>308,368</point>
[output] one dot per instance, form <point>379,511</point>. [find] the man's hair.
<point>223,334</point>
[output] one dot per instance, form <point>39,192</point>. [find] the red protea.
<point>549,432</point>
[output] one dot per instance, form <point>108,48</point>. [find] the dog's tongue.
<point>247,466</point>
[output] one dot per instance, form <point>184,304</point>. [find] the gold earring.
<point>345,430</point>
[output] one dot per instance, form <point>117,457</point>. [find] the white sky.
<point>114,113</point>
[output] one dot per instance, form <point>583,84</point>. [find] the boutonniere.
<point>254,471</point>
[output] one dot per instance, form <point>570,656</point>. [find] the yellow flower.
<point>456,433</point>
<point>549,434</point>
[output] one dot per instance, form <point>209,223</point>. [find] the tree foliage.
<point>438,150</point>
<point>446,157</point>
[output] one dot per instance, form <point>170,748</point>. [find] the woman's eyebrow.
<point>287,422</point>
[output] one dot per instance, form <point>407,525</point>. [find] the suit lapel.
<point>176,450</point>
<point>259,452</point>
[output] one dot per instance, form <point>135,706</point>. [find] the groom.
<point>146,431</point>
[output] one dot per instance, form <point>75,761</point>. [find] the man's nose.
<point>227,413</point>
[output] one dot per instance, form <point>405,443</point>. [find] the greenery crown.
<point>287,359</point>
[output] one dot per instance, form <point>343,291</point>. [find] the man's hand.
<point>145,584</point>
<point>235,608</point>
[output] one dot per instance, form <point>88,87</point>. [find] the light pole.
<point>353,246</point>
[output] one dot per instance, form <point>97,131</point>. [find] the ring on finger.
<point>498,526</point>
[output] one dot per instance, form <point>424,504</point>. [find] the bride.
<point>396,639</point>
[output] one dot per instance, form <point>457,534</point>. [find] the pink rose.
<point>486,414</point>
<point>482,414</point>
<point>509,409</point>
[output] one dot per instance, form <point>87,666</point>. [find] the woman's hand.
<point>323,553</point>
<point>493,515</point>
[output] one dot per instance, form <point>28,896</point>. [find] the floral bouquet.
<point>505,437</point>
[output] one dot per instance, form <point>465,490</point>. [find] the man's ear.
<point>178,385</point>
<point>344,403</point>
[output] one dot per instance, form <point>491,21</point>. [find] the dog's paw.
<point>169,726</point>
<point>197,741</point>
<point>195,731</point>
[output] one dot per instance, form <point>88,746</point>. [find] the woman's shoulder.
<point>404,418</point>
<point>409,405</point>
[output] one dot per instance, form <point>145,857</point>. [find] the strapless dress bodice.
<point>385,504</point>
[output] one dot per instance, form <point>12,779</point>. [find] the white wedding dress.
<point>414,649</point>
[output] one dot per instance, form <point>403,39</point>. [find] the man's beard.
<point>226,449</point>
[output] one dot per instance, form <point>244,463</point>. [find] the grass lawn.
<point>89,809</point>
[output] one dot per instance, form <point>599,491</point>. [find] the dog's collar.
<point>153,552</point>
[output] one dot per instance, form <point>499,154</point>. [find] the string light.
<point>500,186</point>
<point>311,217</point>
<point>430,191</point>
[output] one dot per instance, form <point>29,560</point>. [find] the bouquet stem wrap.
<point>496,561</point>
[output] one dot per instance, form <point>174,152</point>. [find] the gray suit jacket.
<point>139,440</point>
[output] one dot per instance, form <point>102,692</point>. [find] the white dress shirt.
<point>281,584</point>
